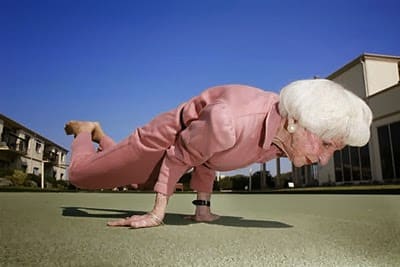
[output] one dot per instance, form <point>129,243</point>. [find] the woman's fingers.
<point>121,222</point>
<point>148,220</point>
<point>137,221</point>
<point>124,222</point>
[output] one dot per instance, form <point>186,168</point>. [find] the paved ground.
<point>68,229</point>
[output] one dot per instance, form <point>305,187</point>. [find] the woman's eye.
<point>326,144</point>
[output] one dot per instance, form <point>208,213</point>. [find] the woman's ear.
<point>292,126</point>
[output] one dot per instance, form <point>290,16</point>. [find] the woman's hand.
<point>151,219</point>
<point>138,221</point>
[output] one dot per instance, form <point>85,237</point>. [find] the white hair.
<point>328,110</point>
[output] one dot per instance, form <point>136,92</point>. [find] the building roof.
<point>360,58</point>
<point>18,125</point>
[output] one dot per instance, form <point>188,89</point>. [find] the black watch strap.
<point>201,203</point>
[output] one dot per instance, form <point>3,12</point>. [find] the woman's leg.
<point>106,143</point>
<point>118,164</point>
<point>133,161</point>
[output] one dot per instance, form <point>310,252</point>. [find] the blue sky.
<point>123,62</point>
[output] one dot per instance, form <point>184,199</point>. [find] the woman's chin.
<point>298,163</point>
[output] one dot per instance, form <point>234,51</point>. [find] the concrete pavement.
<point>69,229</point>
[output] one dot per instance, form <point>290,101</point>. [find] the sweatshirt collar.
<point>272,123</point>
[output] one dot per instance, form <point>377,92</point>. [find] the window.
<point>27,143</point>
<point>395,134</point>
<point>355,164</point>
<point>38,147</point>
<point>365,163</point>
<point>352,164</point>
<point>389,150</point>
<point>337,158</point>
<point>346,164</point>
<point>36,171</point>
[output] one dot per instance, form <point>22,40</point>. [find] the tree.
<point>256,180</point>
<point>285,178</point>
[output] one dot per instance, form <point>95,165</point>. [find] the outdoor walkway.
<point>69,229</point>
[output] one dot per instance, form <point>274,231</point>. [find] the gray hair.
<point>328,110</point>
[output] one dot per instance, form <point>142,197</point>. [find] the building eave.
<point>16,124</point>
<point>359,59</point>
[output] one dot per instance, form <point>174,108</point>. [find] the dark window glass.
<point>365,163</point>
<point>355,163</point>
<point>346,164</point>
<point>337,159</point>
<point>385,152</point>
<point>395,135</point>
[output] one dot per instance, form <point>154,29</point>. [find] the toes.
<point>76,127</point>
<point>68,129</point>
<point>189,217</point>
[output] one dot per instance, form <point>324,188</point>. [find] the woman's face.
<point>304,148</point>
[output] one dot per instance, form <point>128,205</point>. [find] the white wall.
<point>380,75</point>
<point>386,109</point>
<point>1,128</point>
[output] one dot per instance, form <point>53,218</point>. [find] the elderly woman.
<point>224,128</point>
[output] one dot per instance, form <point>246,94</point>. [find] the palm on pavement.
<point>138,221</point>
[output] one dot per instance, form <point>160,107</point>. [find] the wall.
<point>1,128</point>
<point>381,74</point>
<point>353,79</point>
<point>386,109</point>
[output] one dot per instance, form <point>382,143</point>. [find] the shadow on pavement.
<point>170,218</point>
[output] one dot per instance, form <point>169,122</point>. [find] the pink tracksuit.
<point>224,128</point>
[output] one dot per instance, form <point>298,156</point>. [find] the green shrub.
<point>62,184</point>
<point>239,182</point>
<point>36,178</point>
<point>18,177</point>
<point>225,183</point>
<point>216,186</point>
<point>52,180</point>
<point>30,183</point>
<point>6,172</point>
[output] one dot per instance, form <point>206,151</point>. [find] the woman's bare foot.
<point>97,133</point>
<point>77,127</point>
<point>210,217</point>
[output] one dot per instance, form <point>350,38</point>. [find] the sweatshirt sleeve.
<point>211,133</point>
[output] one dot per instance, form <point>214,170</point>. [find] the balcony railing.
<point>14,143</point>
<point>51,157</point>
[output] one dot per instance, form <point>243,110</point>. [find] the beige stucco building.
<point>375,78</point>
<point>24,149</point>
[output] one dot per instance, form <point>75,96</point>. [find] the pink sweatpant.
<point>135,160</point>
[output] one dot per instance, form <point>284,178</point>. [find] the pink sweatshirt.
<point>227,127</point>
<point>224,128</point>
